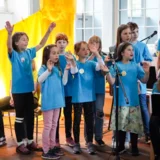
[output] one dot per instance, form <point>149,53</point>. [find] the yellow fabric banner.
<point>60,11</point>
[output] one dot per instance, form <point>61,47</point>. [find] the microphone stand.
<point>117,83</point>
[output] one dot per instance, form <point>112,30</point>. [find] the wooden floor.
<point>103,153</point>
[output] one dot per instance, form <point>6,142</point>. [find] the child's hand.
<point>146,66</point>
<point>107,59</point>
<point>50,65</point>
<point>104,68</point>
<point>69,56</point>
<point>52,25</point>
<point>11,102</point>
<point>93,48</point>
<point>9,27</point>
<point>68,66</point>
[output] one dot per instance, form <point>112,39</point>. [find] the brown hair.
<point>121,49</point>
<point>96,39</point>
<point>46,54</point>
<point>119,32</point>
<point>132,25</point>
<point>77,46</point>
<point>16,37</point>
<point>61,36</point>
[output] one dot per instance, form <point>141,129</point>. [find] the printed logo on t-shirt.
<point>81,71</point>
<point>22,59</point>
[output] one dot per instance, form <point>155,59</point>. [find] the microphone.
<point>153,34</point>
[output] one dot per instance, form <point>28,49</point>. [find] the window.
<point>143,12</point>
<point>88,19</point>
<point>3,5</point>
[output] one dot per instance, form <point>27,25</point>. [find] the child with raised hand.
<point>50,77</point>
<point>84,93</point>
<point>23,85</point>
<point>100,92</point>
<point>129,115</point>
<point>143,49</point>
<point>62,42</point>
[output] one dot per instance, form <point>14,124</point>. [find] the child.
<point>100,93</point>
<point>129,114</point>
<point>62,42</point>
<point>22,84</point>
<point>124,35</point>
<point>50,77</point>
<point>142,96</point>
<point>83,96</point>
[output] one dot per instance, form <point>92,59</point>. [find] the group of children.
<point>77,82</point>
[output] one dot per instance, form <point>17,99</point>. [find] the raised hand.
<point>69,56</point>
<point>9,27</point>
<point>104,68</point>
<point>52,25</point>
<point>68,66</point>
<point>146,66</point>
<point>93,48</point>
<point>50,65</point>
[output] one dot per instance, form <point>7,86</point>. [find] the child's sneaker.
<point>22,149</point>
<point>91,148</point>
<point>70,142</point>
<point>49,156</point>
<point>34,147</point>
<point>57,151</point>
<point>77,148</point>
<point>100,142</point>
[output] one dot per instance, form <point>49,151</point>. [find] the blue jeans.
<point>98,117</point>
<point>145,113</point>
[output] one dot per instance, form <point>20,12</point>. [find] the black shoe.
<point>77,149</point>
<point>121,150</point>
<point>135,152</point>
<point>90,148</point>
<point>100,142</point>
<point>49,156</point>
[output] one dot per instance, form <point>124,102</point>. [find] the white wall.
<point>18,10</point>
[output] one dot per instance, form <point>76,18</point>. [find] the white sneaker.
<point>127,145</point>
<point>113,145</point>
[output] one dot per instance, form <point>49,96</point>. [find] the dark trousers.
<point>122,137</point>
<point>155,133</point>
<point>68,118</point>
<point>24,115</point>
<point>88,116</point>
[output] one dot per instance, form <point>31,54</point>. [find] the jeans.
<point>145,113</point>
<point>98,116</point>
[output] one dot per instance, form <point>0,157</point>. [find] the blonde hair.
<point>96,39</point>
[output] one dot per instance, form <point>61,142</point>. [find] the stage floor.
<point>104,153</point>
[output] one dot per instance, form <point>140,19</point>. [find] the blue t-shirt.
<point>22,79</point>
<point>68,86</point>
<point>143,49</point>
<point>52,90</point>
<point>133,73</point>
<point>99,80</point>
<point>83,88</point>
<point>155,90</point>
<point>158,45</point>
